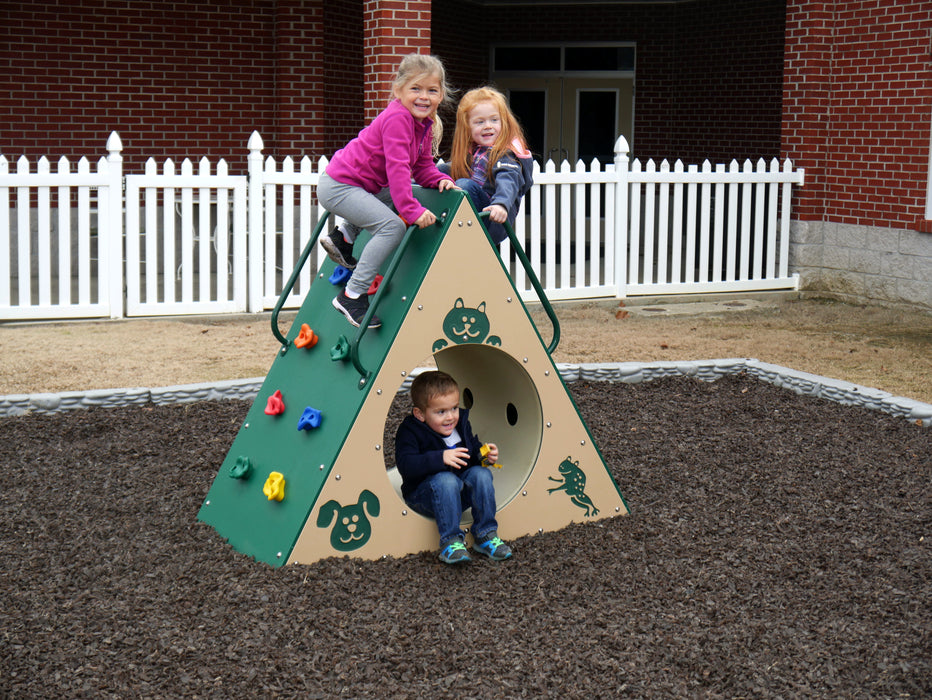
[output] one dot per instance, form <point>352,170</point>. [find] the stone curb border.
<point>629,372</point>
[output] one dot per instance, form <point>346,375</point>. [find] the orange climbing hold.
<point>275,405</point>
<point>306,337</point>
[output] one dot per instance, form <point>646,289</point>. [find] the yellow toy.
<point>484,451</point>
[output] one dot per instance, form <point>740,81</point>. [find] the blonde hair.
<point>460,153</point>
<point>417,65</point>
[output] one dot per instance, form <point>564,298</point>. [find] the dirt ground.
<point>888,349</point>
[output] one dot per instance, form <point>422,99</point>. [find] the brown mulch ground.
<point>778,546</point>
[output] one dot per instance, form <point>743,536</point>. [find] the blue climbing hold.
<point>339,275</point>
<point>309,419</point>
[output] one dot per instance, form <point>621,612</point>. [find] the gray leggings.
<point>362,210</point>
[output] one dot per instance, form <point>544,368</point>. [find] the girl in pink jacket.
<point>368,182</point>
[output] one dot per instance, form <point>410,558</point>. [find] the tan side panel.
<point>466,276</point>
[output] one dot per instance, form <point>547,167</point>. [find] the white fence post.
<point>5,271</point>
<point>23,233</point>
<point>256,189</point>
<point>621,232</point>
<point>111,229</point>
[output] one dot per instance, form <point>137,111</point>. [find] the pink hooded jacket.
<point>389,152</point>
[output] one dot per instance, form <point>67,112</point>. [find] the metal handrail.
<point>541,295</point>
<point>289,285</point>
<point>373,305</point>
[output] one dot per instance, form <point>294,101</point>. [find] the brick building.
<point>842,88</point>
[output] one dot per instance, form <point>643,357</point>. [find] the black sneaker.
<point>355,309</point>
<point>338,249</point>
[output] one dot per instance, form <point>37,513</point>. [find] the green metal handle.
<point>373,305</point>
<point>541,295</point>
<point>289,285</point>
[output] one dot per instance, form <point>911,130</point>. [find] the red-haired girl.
<point>489,157</point>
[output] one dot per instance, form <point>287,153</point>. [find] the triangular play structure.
<point>307,476</point>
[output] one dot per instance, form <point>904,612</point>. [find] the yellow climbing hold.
<point>274,486</point>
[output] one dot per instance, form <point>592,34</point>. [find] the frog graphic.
<point>465,325</point>
<point>574,483</point>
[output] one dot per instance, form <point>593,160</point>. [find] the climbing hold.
<point>274,486</point>
<point>339,275</point>
<point>275,405</point>
<point>306,337</point>
<point>340,350</point>
<point>374,287</point>
<point>309,419</point>
<point>484,452</point>
<point>242,468</point>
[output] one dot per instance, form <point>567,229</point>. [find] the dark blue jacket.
<point>512,178</point>
<point>509,181</point>
<point>419,450</point>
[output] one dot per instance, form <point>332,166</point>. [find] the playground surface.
<point>887,349</point>
<point>777,546</point>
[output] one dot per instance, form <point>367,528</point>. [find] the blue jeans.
<point>480,200</point>
<point>446,495</point>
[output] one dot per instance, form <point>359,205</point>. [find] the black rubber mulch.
<point>778,546</point>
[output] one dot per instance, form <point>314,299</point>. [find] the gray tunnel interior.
<point>504,408</point>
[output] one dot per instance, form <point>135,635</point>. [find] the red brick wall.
<point>192,79</point>
<point>343,71</point>
<point>857,104</point>
<point>726,81</point>
<point>708,77</point>
<point>173,79</point>
<point>179,80</point>
<point>454,29</point>
<point>300,107</point>
<point>393,29</point>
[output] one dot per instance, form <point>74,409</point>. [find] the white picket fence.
<point>61,267</point>
<point>98,244</point>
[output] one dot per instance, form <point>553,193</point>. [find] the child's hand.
<point>457,457</point>
<point>425,219</point>
<point>497,213</point>
<point>492,456</point>
<point>444,185</point>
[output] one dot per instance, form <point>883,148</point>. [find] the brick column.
<point>300,110</point>
<point>807,95</point>
<point>393,29</point>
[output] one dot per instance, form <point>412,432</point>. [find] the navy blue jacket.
<point>512,177</point>
<point>419,450</point>
<point>509,181</point>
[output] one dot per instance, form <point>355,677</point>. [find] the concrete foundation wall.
<point>863,264</point>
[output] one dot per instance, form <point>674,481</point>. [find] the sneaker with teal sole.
<point>493,547</point>
<point>455,553</point>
